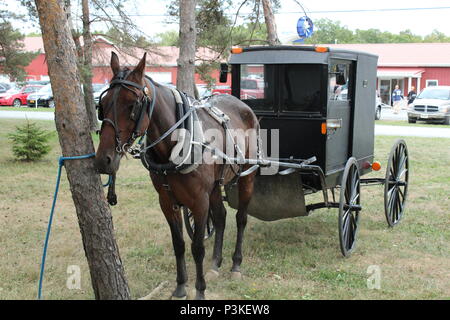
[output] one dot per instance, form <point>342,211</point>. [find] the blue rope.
<point>47,236</point>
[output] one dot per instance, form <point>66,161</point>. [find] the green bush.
<point>30,143</point>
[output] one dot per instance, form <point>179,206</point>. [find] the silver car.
<point>432,104</point>
<point>378,104</point>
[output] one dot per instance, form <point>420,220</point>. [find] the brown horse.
<point>199,190</point>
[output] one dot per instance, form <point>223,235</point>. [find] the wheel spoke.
<point>391,172</point>
<point>395,208</point>
<point>402,174</point>
<point>351,233</point>
<point>355,186</point>
<point>356,197</point>
<point>401,194</point>
<point>391,201</point>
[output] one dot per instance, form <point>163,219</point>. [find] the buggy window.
<point>301,89</point>
<point>339,86</point>
<point>254,90</point>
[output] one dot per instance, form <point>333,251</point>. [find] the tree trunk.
<point>94,215</point>
<point>272,36</point>
<point>87,68</point>
<point>186,59</point>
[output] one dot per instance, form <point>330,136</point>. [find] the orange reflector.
<point>376,166</point>
<point>321,49</point>
<point>236,50</point>
<point>323,128</point>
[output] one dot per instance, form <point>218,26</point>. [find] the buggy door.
<point>339,114</point>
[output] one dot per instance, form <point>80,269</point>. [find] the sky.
<point>150,15</point>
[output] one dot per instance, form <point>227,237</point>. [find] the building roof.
<point>384,72</point>
<point>404,54</point>
<point>33,44</point>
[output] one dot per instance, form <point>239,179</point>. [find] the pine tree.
<point>30,142</point>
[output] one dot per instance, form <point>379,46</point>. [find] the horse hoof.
<point>236,275</point>
<point>211,275</point>
<point>178,298</point>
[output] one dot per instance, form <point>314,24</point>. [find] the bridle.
<point>143,105</point>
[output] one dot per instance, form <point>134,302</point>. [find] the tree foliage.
<point>13,57</point>
<point>29,142</point>
<point>329,31</point>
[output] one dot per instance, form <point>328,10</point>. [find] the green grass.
<point>25,108</point>
<point>296,258</point>
<point>406,124</point>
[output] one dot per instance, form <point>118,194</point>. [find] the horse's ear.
<point>115,66</point>
<point>139,71</point>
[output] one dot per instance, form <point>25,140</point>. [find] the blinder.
<point>137,110</point>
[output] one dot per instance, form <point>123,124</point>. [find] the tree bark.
<point>94,215</point>
<point>186,59</point>
<point>272,36</point>
<point>87,67</point>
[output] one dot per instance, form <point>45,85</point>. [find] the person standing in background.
<point>397,98</point>
<point>412,95</point>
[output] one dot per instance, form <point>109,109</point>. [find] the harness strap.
<point>168,132</point>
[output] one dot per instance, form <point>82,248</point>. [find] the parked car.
<point>203,91</point>
<point>4,87</point>
<point>378,105</point>
<point>38,82</point>
<point>98,91</point>
<point>42,98</point>
<point>17,97</point>
<point>432,104</point>
<point>221,89</point>
<point>250,89</point>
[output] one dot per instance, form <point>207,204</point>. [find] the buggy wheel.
<point>378,113</point>
<point>349,207</point>
<point>189,223</point>
<point>396,183</point>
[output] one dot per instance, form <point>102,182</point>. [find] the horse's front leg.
<point>175,221</point>
<point>200,212</point>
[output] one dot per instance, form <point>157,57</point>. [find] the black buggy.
<point>320,103</point>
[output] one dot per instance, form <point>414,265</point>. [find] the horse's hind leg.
<point>219,217</point>
<point>200,213</point>
<point>176,228</point>
<point>245,194</point>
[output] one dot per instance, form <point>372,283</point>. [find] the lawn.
<point>25,108</point>
<point>406,124</point>
<point>295,258</point>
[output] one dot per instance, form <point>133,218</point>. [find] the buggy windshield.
<point>282,87</point>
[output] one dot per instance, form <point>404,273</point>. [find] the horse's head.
<point>124,109</point>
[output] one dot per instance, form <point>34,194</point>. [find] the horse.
<point>198,190</point>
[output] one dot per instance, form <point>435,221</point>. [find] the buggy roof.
<point>292,54</point>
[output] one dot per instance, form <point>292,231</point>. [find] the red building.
<point>161,62</point>
<point>407,64</point>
